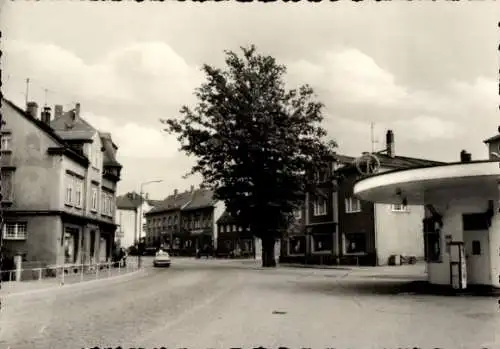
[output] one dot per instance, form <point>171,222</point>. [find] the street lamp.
<point>140,217</point>
<point>140,207</point>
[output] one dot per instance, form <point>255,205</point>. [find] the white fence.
<point>68,273</point>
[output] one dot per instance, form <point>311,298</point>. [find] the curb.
<point>59,286</point>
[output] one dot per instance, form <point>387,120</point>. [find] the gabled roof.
<point>397,162</point>
<point>172,202</point>
<point>492,139</point>
<point>49,131</point>
<point>131,201</point>
<point>201,198</point>
<point>226,218</point>
<point>188,200</point>
<point>128,201</point>
<point>71,126</point>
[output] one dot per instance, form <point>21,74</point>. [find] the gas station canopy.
<point>418,186</point>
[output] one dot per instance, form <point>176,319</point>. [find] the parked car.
<point>162,259</point>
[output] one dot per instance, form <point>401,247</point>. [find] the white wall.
<point>439,273</point>
<point>219,208</point>
<point>126,220</point>
<point>398,233</point>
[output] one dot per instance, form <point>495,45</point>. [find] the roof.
<point>110,148</point>
<point>188,200</point>
<point>399,162</point>
<point>131,201</point>
<point>201,198</point>
<point>344,159</point>
<point>492,139</point>
<point>226,218</point>
<point>68,150</point>
<point>71,126</point>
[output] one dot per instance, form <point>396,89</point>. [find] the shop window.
<point>322,242</point>
<point>297,245</point>
<point>355,243</point>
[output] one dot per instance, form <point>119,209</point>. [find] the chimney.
<point>389,143</point>
<point>192,188</point>
<point>465,157</point>
<point>175,192</point>
<point>77,110</point>
<point>32,109</point>
<point>58,111</point>
<point>46,115</point>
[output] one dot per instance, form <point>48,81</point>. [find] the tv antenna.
<point>372,136</point>
<point>27,89</point>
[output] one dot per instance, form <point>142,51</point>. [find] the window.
<point>68,199</point>
<point>352,205</point>
<point>94,199</point>
<point>399,208</point>
<point>78,187</point>
<point>432,245</point>
<point>15,231</point>
<point>7,186</point>
<point>476,248</point>
<point>297,213</point>
<point>355,243</point>
<point>322,242</point>
<point>297,245</point>
<point>319,208</point>
<point>6,140</point>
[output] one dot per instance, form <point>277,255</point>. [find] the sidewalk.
<point>11,288</point>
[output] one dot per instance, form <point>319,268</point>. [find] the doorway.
<point>477,254</point>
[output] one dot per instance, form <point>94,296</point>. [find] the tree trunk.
<point>268,257</point>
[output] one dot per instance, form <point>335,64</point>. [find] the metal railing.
<point>68,273</point>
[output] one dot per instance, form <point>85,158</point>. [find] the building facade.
<point>337,228</point>
<point>130,225</point>
<point>313,237</point>
<point>233,241</point>
<point>184,222</point>
<point>59,180</point>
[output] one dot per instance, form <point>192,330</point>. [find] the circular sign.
<point>367,164</point>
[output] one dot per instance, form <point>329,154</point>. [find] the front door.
<point>476,245</point>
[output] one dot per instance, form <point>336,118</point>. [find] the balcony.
<point>111,173</point>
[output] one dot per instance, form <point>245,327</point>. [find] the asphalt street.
<point>227,304</point>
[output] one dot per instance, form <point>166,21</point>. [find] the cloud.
<point>136,140</point>
<point>140,73</point>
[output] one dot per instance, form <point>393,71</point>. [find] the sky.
<point>426,70</point>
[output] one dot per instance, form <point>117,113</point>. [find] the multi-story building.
<point>234,240</point>
<point>128,210</point>
<point>59,180</point>
<point>312,238</point>
<point>371,233</point>
<point>336,228</point>
<point>184,221</point>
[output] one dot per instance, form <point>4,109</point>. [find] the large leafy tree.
<point>254,142</point>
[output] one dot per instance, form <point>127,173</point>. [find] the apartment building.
<point>184,221</point>
<point>59,178</point>
<point>312,238</point>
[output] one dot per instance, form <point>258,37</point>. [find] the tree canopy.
<point>254,140</point>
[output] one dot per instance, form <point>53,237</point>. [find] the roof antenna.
<point>27,90</point>
<point>372,136</point>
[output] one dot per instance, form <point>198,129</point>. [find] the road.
<point>219,304</point>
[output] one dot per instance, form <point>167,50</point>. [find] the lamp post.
<point>138,236</point>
